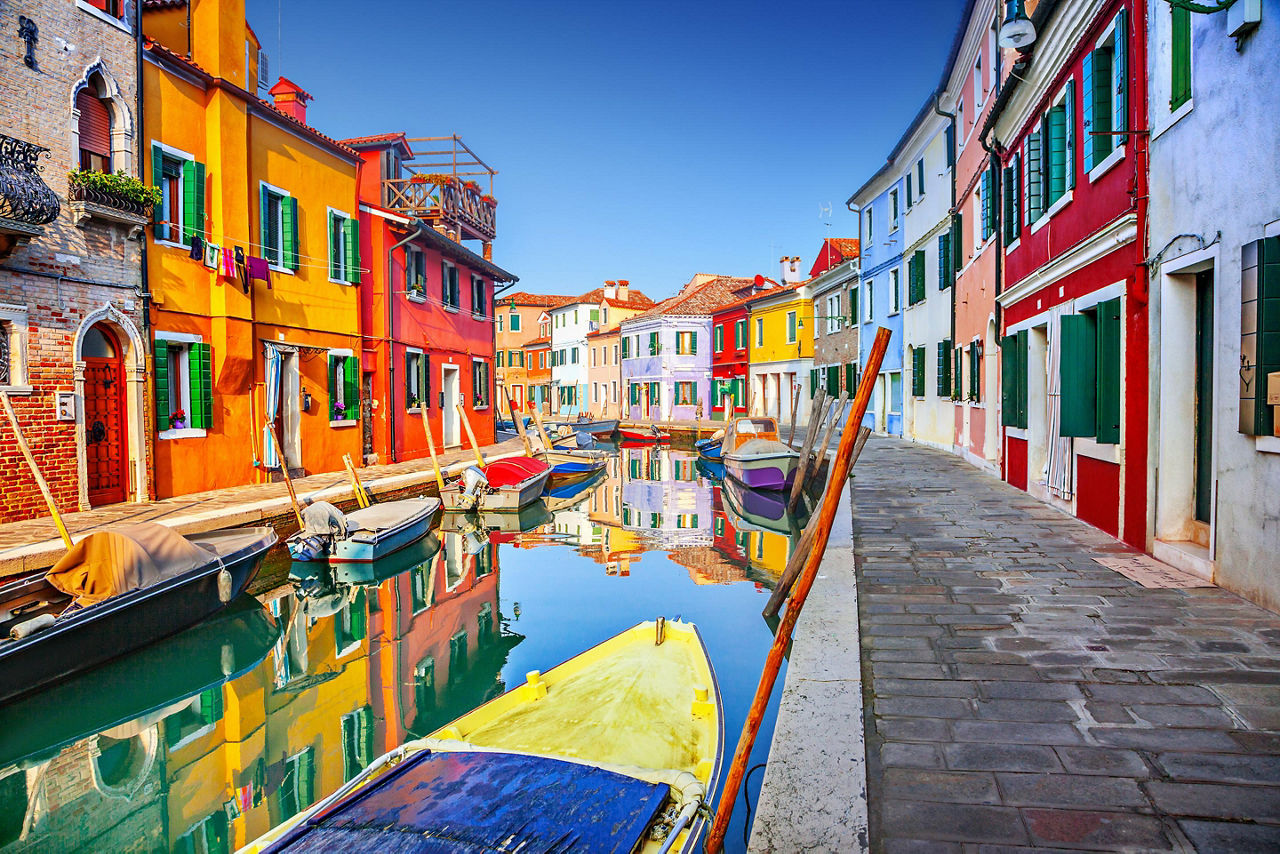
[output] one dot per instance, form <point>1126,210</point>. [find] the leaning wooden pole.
<point>35,470</point>
<point>796,562</point>
<point>284,469</point>
<point>782,638</point>
<point>431,448</point>
<point>802,467</point>
<point>519,422</point>
<point>795,404</point>
<point>471,435</point>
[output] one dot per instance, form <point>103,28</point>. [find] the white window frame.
<point>342,247</point>
<point>477,279</point>
<point>833,313</point>
<point>183,368</point>
<point>279,191</point>
<point>895,210</point>
<point>340,388</point>
<point>793,329</point>
<point>411,252</point>
<point>870,292</point>
<point>457,306</point>
<point>488,386</point>
<point>176,154</point>
<point>416,351</point>
<point>895,291</point>
<point>19,378</point>
<point>759,331</point>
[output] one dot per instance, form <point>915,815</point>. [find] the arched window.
<point>95,127</point>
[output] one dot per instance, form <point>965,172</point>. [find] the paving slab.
<point>1046,700</point>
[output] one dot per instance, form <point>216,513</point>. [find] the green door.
<point>1204,396</point>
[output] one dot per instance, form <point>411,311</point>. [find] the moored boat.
<point>116,591</point>
<point>615,750</point>
<point>572,466</point>
<point>367,534</point>
<point>650,435</point>
<point>500,486</point>
<point>755,457</point>
<point>711,448</point>
<point>601,427</point>
<point>528,517</point>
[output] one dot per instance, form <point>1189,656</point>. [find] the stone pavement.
<point>1021,695</point>
<point>34,544</point>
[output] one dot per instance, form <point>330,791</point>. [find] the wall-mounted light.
<point>1017,30</point>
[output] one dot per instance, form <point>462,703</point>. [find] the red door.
<point>105,429</point>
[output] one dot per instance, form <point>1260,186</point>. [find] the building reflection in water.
<point>203,742</point>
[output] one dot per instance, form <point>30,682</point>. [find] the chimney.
<point>623,290</point>
<point>790,270</point>
<point>290,99</point>
<point>610,290</point>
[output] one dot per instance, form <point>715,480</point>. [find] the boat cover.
<point>512,471</point>
<point>320,518</point>
<point>474,802</point>
<point>391,515</point>
<point>123,558</point>
<point>763,448</point>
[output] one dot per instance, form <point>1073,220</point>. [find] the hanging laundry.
<point>228,266</point>
<point>197,248</point>
<point>241,270</point>
<point>258,268</point>
<point>212,255</point>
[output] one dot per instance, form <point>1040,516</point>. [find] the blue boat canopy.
<point>474,802</point>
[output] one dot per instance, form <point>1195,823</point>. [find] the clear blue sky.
<point>644,141</point>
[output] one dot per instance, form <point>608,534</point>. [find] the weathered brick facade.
<point>83,268</point>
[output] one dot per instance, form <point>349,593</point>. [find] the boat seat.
<point>437,802</point>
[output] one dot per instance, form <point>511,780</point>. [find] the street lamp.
<point>1017,30</point>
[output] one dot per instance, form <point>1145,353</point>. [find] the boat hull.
<point>762,471</point>
<point>504,498</point>
<point>130,621</point>
<point>644,437</point>
<point>367,546</point>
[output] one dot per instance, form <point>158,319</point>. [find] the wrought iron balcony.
<point>440,189</point>
<point>26,202</point>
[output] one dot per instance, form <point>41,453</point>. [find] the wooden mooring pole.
<point>284,469</point>
<point>802,468</point>
<point>35,470</point>
<point>830,501</point>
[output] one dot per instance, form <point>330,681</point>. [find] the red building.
<point>427,311</point>
<point>729,350</point>
<point>1069,198</point>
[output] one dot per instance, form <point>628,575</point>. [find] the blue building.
<point>879,299</point>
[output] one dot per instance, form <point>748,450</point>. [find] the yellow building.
<point>780,328</point>
<point>276,338</point>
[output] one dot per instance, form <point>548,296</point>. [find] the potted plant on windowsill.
<point>339,412</point>
<point>178,420</point>
<point>117,197</point>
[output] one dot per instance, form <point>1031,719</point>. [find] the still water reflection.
<point>204,741</point>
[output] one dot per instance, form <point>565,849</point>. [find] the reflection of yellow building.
<point>767,550</point>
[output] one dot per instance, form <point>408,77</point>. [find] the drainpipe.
<point>955,141</point>
<point>391,362</point>
<point>144,281</point>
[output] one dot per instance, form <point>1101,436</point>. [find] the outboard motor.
<point>473,484</point>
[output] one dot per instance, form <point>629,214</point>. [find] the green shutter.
<point>655,394</point>
<point>333,386</point>
<point>160,371</point>
<point>306,778</point>
<point>957,356</point>
<point>1069,109</point>
<point>653,343</point>
<point>1022,386</point>
<point>1056,129</point>
<point>833,380</point>
<point>1109,332</point>
<point>986,203</point>
<point>158,213</point>
<point>693,343</point>
<point>910,198</point>
<point>1078,372</point>
<point>813,382</point>
<point>850,380</point>
<point>917,372</point>
<point>717,338</point>
<point>1035,178</point>
<point>957,242</point>
<point>262,220</point>
<point>289,212</point>
<point>335,250</point>
<point>409,379</point>
<point>1120,75</point>
<point>975,373</point>
<point>351,233</point>
<point>1007,191</point>
<point>944,368</point>
<point>1260,332</point>
<point>626,347</point>
<point>945,269</point>
<point>1009,381</point>
<point>1087,113</point>
<point>791,326</point>
<point>200,375</point>
<point>351,390</point>
<point>197,224</point>
<point>1179,58</point>
<point>425,362</point>
<point>364,732</point>
<point>192,196</point>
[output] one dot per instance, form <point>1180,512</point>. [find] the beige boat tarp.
<point>123,558</point>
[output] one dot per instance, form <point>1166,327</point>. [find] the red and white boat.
<point>500,486</point>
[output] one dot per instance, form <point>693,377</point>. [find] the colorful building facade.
<point>518,324</point>
<point>834,283</point>
<point>780,323</point>
<point>731,351</point>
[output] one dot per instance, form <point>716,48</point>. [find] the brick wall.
<point>70,270</point>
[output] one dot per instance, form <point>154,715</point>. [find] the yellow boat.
<point>616,749</point>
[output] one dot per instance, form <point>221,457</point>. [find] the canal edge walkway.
<point>814,793</point>
<point>34,544</point>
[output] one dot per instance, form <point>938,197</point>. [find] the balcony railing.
<point>26,202</point>
<point>441,188</point>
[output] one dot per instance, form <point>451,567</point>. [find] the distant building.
<point>780,325</point>
<point>517,321</point>
<point>666,353</point>
<point>730,351</point>
<point>834,283</point>
<point>571,322</point>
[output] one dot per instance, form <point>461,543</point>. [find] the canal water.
<point>203,742</point>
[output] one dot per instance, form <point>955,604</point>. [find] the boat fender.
<point>30,627</point>
<point>660,627</point>
<point>224,586</point>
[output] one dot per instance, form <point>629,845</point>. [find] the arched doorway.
<point>105,418</point>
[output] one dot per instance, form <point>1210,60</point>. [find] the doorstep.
<point>1186,556</point>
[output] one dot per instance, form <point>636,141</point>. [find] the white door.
<point>449,413</point>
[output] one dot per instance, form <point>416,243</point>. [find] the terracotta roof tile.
<point>635,299</point>
<point>534,300</point>
<point>698,300</point>
<point>545,339</point>
<point>835,251</point>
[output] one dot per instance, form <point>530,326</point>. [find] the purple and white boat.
<point>755,457</point>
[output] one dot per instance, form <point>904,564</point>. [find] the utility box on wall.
<point>1243,17</point>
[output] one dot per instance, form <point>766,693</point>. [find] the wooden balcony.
<point>441,189</point>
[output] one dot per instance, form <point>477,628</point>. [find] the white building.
<point>1214,98</point>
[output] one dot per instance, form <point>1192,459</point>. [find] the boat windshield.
<point>755,426</point>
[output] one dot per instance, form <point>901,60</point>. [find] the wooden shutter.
<point>1069,111</point>
<point>1120,76</point>
<point>200,374</point>
<point>1109,332</point>
<point>986,203</point>
<point>364,734</point>
<point>290,214</point>
<point>957,374</point>
<point>263,217</point>
<point>917,372</point>
<point>1008,190</point>
<point>1056,131</point>
<point>1078,372</point>
<point>192,200</point>
<point>1035,178</point>
<point>444,283</point>
<point>813,382</point>
<point>717,337</point>
<point>1009,381</point>
<point>1087,113</point>
<point>951,144</point>
<point>975,374</point>
<point>351,387</point>
<point>1023,351</point>
<point>160,372</point>
<point>410,390</point>
<point>693,343</point>
<point>833,380</point>
<point>944,368</point>
<point>95,124</point>
<point>850,379</point>
<point>1180,57</point>
<point>158,212</point>
<point>1260,332</point>
<point>957,242</point>
<point>910,198</point>
<point>945,269</point>
<point>626,347</point>
<point>653,343</point>
<point>920,176</point>
<point>333,387</point>
<point>351,244</point>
